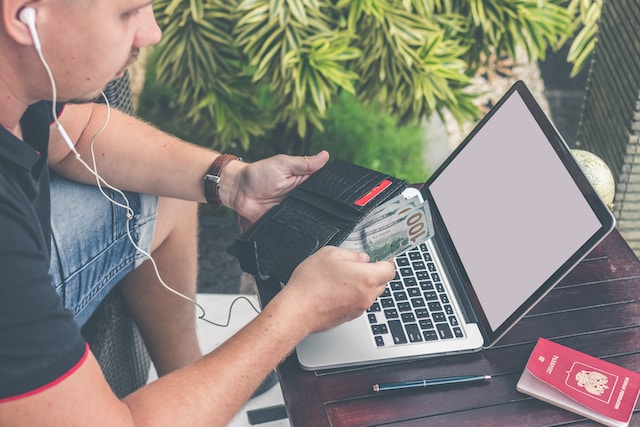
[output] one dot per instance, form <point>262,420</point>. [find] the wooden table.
<point>594,309</point>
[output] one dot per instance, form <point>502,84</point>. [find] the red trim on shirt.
<point>52,383</point>
<point>52,122</point>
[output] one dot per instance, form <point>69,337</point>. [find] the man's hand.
<point>335,285</point>
<point>258,186</point>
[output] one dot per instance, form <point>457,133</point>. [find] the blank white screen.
<point>511,208</point>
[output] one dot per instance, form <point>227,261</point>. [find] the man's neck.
<point>14,101</point>
<point>11,110</point>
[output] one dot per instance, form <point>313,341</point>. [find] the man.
<point>48,376</point>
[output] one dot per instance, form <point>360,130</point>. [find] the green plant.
<point>274,67</point>
<point>586,31</point>
<point>367,137</point>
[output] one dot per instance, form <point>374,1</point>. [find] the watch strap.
<point>212,178</point>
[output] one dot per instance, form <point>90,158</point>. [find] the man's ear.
<point>15,28</point>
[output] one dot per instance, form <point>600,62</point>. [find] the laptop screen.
<point>516,213</point>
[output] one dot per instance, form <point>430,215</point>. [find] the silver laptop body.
<point>513,214</point>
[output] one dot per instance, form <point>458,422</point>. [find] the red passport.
<point>580,383</point>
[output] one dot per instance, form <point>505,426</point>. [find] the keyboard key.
<point>444,298</point>
<point>430,335</point>
<point>418,265</point>
<point>438,317</point>
<point>426,324</point>
<point>434,306</point>
<point>404,306</point>
<point>435,277</point>
<point>413,332</point>
<point>431,266</point>
<point>414,292</point>
<point>379,341</point>
<point>374,307</point>
<point>417,302</point>
<point>414,255</point>
<point>372,318</point>
<point>430,295</point>
<point>458,332</point>
<point>386,293</point>
<point>406,271</point>
<point>448,309</point>
<point>422,275</point>
<point>422,313</point>
<point>396,285</point>
<point>402,261</point>
<point>379,329</point>
<point>453,321</point>
<point>410,281</point>
<point>408,317</point>
<point>426,285</point>
<point>444,331</point>
<point>400,296</point>
<point>391,313</point>
<point>397,332</point>
<point>387,303</point>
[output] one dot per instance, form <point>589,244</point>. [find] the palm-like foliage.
<point>586,28</point>
<point>256,65</point>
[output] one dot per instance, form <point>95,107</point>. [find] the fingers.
<point>346,280</point>
<point>384,270</point>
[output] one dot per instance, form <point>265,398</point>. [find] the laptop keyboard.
<point>415,306</point>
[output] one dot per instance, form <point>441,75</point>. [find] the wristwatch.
<point>212,178</point>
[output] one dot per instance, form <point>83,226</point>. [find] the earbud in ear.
<point>28,16</point>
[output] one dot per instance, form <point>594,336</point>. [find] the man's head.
<point>86,43</point>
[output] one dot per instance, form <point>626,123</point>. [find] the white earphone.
<point>28,16</point>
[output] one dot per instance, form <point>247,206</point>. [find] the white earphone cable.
<point>101,182</point>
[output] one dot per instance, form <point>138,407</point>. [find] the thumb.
<point>310,164</point>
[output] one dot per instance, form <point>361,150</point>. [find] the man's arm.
<point>130,154</point>
<point>212,390</point>
<point>135,156</point>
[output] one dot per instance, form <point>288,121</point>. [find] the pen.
<point>430,382</point>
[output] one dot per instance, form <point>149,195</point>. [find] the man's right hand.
<point>335,285</point>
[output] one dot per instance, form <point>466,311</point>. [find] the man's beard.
<point>133,56</point>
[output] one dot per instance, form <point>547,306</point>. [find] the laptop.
<point>513,214</point>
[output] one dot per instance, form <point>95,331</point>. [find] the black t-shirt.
<point>40,342</point>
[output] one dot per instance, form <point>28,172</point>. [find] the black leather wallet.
<point>321,211</point>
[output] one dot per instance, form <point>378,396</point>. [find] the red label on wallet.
<point>373,193</point>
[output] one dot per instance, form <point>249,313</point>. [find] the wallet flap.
<point>323,210</point>
<point>347,191</point>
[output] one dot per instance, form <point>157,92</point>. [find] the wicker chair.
<point>610,119</point>
<point>111,331</point>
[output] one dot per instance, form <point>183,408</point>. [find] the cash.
<point>392,228</point>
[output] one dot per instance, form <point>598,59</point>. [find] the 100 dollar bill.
<point>391,229</point>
